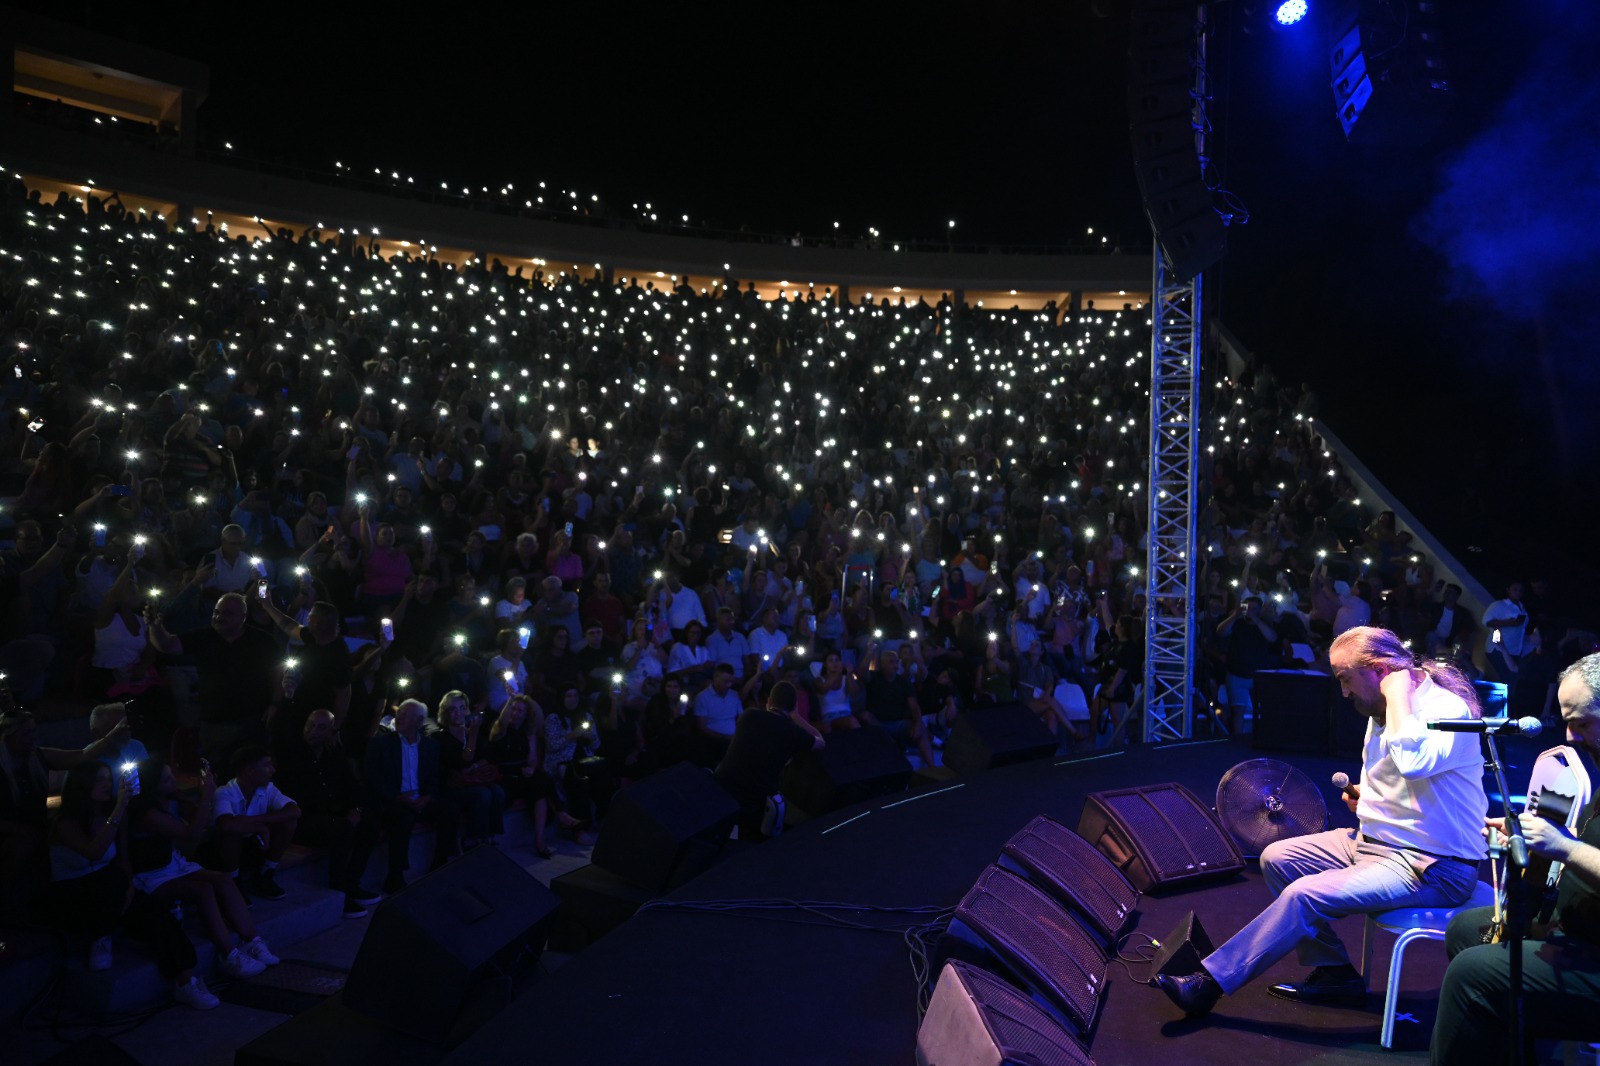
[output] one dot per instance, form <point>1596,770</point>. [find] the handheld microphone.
<point>1496,727</point>
<point>1341,781</point>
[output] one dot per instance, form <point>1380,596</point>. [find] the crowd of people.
<point>337,540</point>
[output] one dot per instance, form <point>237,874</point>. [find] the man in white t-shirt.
<point>767,640</point>
<point>717,708</point>
<point>254,825</point>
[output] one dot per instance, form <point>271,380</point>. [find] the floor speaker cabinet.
<point>985,738</point>
<point>1179,953</point>
<point>1293,712</point>
<point>976,1019</point>
<point>439,956</point>
<point>1159,836</point>
<point>666,829</point>
<point>1008,926</point>
<point>855,765</point>
<point>1075,874</point>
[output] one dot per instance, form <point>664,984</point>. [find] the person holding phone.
<point>237,669</point>
<point>92,892</point>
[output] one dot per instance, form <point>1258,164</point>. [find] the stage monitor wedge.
<point>976,1019</point>
<point>1075,873</point>
<point>1008,926</point>
<point>439,956</point>
<point>1159,836</point>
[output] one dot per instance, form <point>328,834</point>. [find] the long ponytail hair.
<point>1378,649</point>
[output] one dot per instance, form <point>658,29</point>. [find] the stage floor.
<point>784,986</point>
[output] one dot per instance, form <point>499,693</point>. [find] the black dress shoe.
<point>1331,985</point>
<point>1194,994</point>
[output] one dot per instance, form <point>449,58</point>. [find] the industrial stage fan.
<point>1263,800</point>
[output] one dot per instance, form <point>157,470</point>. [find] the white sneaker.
<point>257,949</point>
<point>100,954</point>
<point>238,964</point>
<point>195,994</point>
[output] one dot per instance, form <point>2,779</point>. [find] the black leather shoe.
<point>1330,986</point>
<point>1194,994</point>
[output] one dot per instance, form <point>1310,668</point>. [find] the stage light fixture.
<point>1289,12</point>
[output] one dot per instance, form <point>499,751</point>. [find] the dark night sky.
<point>1381,275</point>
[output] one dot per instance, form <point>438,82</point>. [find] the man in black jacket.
<point>401,771</point>
<point>317,774</point>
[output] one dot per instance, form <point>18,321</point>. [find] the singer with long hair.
<point>1421,806</point>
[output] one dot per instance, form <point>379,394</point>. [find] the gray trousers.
<point>1319,878</point>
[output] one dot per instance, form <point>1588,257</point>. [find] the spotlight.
<point>1289,12</point>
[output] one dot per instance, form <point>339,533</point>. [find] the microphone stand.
<point>1516,862</point>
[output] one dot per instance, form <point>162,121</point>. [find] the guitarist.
<point>1560,971</point>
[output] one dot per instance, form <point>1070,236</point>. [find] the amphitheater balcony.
<point>184,187</point>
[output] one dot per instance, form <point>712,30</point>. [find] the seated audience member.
<point>91,892</point>
<point>163,832</point>
<point>236,665</point>
<point>402,778</point>
<point>763,743</point>
<point>837,690</point>
<point>471,781</point>
<point>255,823</point>
<point>891,703</point>
<point>515,746</point>
<point>322,781</point>
<point>716,712</point>
<point>567,737</point>
<point>24,788</point>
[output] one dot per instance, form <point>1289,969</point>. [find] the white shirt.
<point>1423,789</point>
<point>1510,636</point>
<point>234,576</point>
<point>1353,611</point>
<point>766,646</point>
<point>684,608</point>
<point>730,649</point>
<point>719,713</point>
<point>408,765</point>
<point>264,800</point>
<point>1072,701</point>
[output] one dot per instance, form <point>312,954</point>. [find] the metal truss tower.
<point>1174,504</point>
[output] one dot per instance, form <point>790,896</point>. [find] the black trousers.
<point>349,844</point>
<point>397,820</point>
<point>1560,984</point>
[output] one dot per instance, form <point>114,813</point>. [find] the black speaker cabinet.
<point>1179,954</point>
<point>988,737</point>
<point>438,959</point>
<point>666,829</point>
<point>1076,874</point>
<point>1293,712</point>
<point>976,1019</point>
<point>1159,836</point>
<point>1008,926</point>
<point>855,765</point>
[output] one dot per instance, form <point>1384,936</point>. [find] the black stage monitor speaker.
<point>1293,711</point>
<point>1159,836</point>
<point>438,959</point>
<point>1180,953</point>
<point>988,737</point>
<point>855,765</point>
<point>976,1019</point>
<point>1006,925</point>
<point>666,829</point>
<point>1074,873</point>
